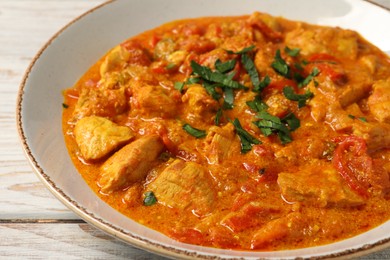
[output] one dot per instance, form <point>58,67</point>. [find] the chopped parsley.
<point>290,94</point>
<point>280,65</point>
<point>309,78</point>
<point>270,124</point>
<point>249,66</point>
<point>225,80</point>
<point>65,105</point>
<point>149,198</point>
<point>363,119</point>
<point>218,117</point>
<point>247,140</point>
<point>228,98</point>
<point>263,84</point>
<point>257,104</point>
<point>224,67</point>
<point>194,131</point>
<point>292,52</point>
<point>179,86</point>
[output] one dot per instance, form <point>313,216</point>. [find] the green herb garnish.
<point>149,199</point>
<point>179,86</point>
<point>290,94</point>
<point>65,105</point>
<point>215,76</point>
<point>228,98</point>
<point>270,124</point>
<point>292,52</point>
<point>280,65</point>
<point>257,104</point>
<point>224,67</point>
<point>309,78</point>
<point>218,117</point>
<point>247,140</point>
<point>194,131</point>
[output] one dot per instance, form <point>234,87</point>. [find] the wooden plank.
<point>25,25</point>
<point>63,241</point>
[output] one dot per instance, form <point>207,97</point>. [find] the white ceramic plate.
<point>75,48</point>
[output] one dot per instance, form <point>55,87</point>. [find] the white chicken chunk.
<point>130,164</point>
<point>186,186</point>
<point>97,137</point>
<point>379,101</point>
<point>318,187</point>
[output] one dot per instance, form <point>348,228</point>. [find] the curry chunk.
<point>334,41</point>
<point>130,164</point>
<point>97,137</point>
<point>151,100</point>
<point>379,101</point>
<point>186,186</point>
<point>100,102</point>
<point>200,104</point>
<point>317,186</point>
<point>376,135</point>
<point>222,143</point>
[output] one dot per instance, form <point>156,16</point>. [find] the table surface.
<point>33,223</point>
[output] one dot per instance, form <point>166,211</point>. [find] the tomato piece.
<point>322,57</point>
<point>353,163</point>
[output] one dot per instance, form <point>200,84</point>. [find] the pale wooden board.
<point>25,25</point>
<point>53,241</point>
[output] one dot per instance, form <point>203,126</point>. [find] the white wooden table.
<point>34,224</point>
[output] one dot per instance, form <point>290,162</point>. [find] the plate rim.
<point>111,229</point>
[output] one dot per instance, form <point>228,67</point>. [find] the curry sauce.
<point>251,132</point>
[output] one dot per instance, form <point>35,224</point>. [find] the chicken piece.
<point>379,101</point>
<point>116,59</point>
<point>291,226</point>
<point>200,105</point>
<point>100,102</point>
<point>153,101</point>
<point>334,41</point>
<point>97,137</point>
<point>130,164</point>
<point>186,186</point>
<point>222,143</point>
<point>317,186</point>
<point>376,135</point>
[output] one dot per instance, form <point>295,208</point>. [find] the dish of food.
<point>254,132</point>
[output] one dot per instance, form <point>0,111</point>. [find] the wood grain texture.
<point>33,223</point>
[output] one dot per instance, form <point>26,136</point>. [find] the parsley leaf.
<point>280,65</point>
<point>218,117</point>
<point>249,66</point>
<point>282,127</point>
<point>229,98</point>
<point>257,104</point>
<point>309,78</point>
<point>149,199</point>
<point>215,76</point>
<point>263,84</point>
<point>292,52</point>
<point>194,131</point>
<point>224,67</point>
<point>179,86</point>
<point>245,50</point>
<point>247,140</point>
<point>291,95</point>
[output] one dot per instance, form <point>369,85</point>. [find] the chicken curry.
<point>252,132</point>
